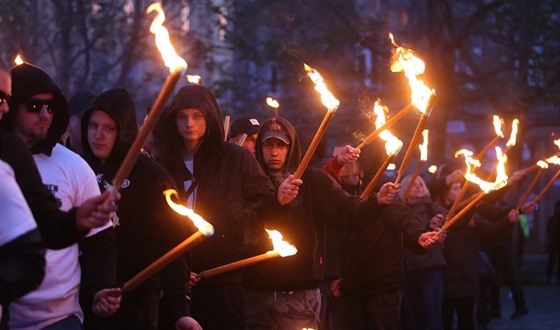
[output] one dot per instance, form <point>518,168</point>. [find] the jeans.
<point>422,298</point>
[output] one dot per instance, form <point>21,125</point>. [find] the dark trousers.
<point>422,298</point>
<point>376,312</point>
<point>218,306</point>
<point>553,258</point>
<point>504,266</point>
<point>332,308</point>
<point>464,306</point>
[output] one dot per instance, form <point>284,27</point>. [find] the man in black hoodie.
<point>283,293</point>
<point>225,185</point>
<point>146,227</point>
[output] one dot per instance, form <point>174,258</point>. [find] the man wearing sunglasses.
<point>39,116</point>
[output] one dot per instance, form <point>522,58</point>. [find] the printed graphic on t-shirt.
<point>53,189</point>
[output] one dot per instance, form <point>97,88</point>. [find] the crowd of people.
<point>68,241</point>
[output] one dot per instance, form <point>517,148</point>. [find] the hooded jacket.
<point>29,80</point>
<point>231,188</point>
<point>145,226</point>
<point>426,209</point>
<point>320,200</point>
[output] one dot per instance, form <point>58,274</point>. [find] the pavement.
<point>542,299</point>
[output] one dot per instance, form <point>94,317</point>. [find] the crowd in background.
<point>68,241</point>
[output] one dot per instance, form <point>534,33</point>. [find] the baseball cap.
<point>245,125</point>
<point>276,130</point>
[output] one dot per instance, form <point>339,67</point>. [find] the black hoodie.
<point>320,200</point>
<point>29,80</point>
<point>146,226</point>
<point>231,187</point>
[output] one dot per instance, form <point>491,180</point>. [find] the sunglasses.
<point>35,106</point>
<point>4,98</point>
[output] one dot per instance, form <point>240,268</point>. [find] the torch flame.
<point>327,98</point>
<point>501,176</point>
<point>18,60</point>
<point>193,79</point>
<point>392,144</point>
<point>163,43</point>
<point>204,227</point>
<point>497,121</point>
<point>281,247</point>
<point>513,137</point>
<point>404,60</point>
<point>272,102</point>
<point>542,164</point>
<point>432,169</point>
<point>553,160</point>
<point>424,146</point>
<point>557,142</point>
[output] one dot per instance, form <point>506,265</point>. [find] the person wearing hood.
<point>145,226</point>
<point>58,229</point>
<point>78,104</point>
<point>225,185</point>
<point>284,293</point>
<point>39,117</point>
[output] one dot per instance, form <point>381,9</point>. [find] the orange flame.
<point>472,164</point>
<point>281,247</point>
<point>163,43</point>
<point>542,164</point>
<point>193,79</point>
<point>513,137</point>
<point>272,102</point>
<point>557,143</point>
<point>424,146</point>
<point>18,60</point>
<point>327,98</point>
<point>392,144</point>
<point>432,169</point>
<point>204,227</point>
<point>404,60</point>
<point>497,121</point>
<point>553,160</point>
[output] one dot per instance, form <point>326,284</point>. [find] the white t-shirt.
<point>17,218</point>
<point>72,182</point>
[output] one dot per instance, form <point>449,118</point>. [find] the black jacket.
<point>232,189</point>
<point>146,227</point>
<point>426,209</point>
<point>320,200</point>
<point>373,259</point>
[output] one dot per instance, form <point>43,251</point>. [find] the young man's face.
<point>191,125</point>
<point>34,117</point>
<point>275,152</point>
<point>102,132</point>
<point>5,91</point>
